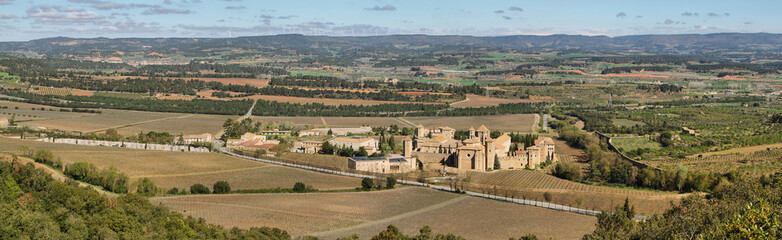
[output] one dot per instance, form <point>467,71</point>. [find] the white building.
<point>335,131</point>
<point>190,139</point>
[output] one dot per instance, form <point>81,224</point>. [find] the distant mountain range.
<point>656,44</point>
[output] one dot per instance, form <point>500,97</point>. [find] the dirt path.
<point>465,100</point>
<point>535,123</point>
<point>323,120</point>
<point>405,121</point>
<point>384,221</point>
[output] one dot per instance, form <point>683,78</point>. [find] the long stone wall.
<point>611,146</point>
<point>131,145</point>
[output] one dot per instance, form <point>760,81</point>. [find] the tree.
<point>112,133</point>
<point>259,153</point>
<point>526,237</point>
<point>221,187</point>
<point>496,162</point>
<point>390,182</point>
<point>547,196</point>
<point>391,233</point>
<point>9,189</point>
<point>367,184</point>
<point>568,170</point>
<point>326,148</point>
<point>299,187</point>
<point>145,187</point>
<point>199,189</point>
<point>44,156</point>
<point>362,152</point>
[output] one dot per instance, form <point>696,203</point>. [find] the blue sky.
<point>32,19</point>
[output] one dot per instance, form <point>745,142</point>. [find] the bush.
<point>390,182</point>
<point>299,187</point>
<point>199,189</point>
<point>44,156</point>
<point>367,184</point>
<point>569,171</point>
<point>173,191</point>
<point>221,187</point>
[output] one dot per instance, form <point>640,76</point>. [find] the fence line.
<point>547,205</point>
<point>130,145</point>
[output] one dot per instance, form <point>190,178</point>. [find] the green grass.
<point>626,122</point>
<point>632,143</point>
<point>120,95</point>
<point>308,73</point>
<point>8,80</point>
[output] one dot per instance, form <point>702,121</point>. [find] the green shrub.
<point>221,187</point>
<point>199,189</point>
<point>367,184</point>
<point>390,182</point>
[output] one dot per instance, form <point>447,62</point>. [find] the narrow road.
<point>405,121</point>
<point>249,112</point>
<point>323,120</point>
<point>216,143</point>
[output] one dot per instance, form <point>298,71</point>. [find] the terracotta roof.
<point>472,129</point>
<point>472,140</point>
<point>253,145</point>
<point>446,128</point>
<point>437,139</point>
<point>407,139</point>
<point>483,128</point>
<point>420,126</point>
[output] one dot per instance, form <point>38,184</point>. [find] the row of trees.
<point>367,184</point>
<point>271,108</point>
<point>190,87</point>
<point>665,87</point>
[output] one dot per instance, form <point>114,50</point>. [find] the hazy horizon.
<point>28,20</point>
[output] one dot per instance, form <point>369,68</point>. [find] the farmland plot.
<point>183,169</point>
<point>532,184</point>
<point>331,215</point>
<point>513,122</point>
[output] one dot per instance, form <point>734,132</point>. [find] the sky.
<point>22,20</point>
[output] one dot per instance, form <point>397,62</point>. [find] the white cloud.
<point>387,7</point>
<point>53,14</point>
<point>160,10</point>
